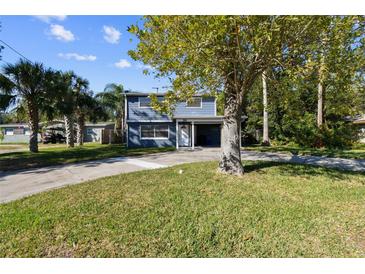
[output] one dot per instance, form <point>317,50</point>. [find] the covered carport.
<point>198,131</point>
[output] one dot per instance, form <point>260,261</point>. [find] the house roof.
<point>135,93</point>
<point>143,93</point>
<point>359,122</point>
<point>98,124</point>
<point>14,125</point>
<point>202,118</point>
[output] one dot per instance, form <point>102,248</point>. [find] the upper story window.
<point>144,102</point>
<point>195,102</point>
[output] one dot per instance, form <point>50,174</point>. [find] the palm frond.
<point>6,100</point>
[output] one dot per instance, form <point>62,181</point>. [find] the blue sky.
<point>95,47</point>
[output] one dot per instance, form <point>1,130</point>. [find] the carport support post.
<point>240,134</point>
<point>177,134</point>
<point>192,134</point>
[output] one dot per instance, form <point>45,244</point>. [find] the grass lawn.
<point>21,146</point>
<point>10,147</point>
<point>356,152</point>
<point>59,154</point>
<point>274,210</point>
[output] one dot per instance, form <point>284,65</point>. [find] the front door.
<point>184,135</point>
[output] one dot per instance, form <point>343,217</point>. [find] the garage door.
<point>208,135</point>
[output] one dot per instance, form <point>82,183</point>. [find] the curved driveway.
<point>18,184</point>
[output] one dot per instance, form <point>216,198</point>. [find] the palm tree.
<point>74,103</point>
<point>30,83</point>
<point>70,105</point>
<point>64,106</point>
<point>83,103</point>
<point>87,107</point>
<point>113,101</point>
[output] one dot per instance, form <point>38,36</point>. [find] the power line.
<point>13,49</point>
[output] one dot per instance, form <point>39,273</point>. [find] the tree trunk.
<point>230,161</point>
<point>321,72</point>
<point>320,105</point>
<point>123,118</point>
<point>33,126</point>
<point>80,125</point>
<point>122,129</point>
<point>118,126</point>
<point>265,139</point>
<point>69,130</point>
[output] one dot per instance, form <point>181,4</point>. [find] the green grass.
<point>17,146</point>
<point>274,210</point>
<point>53,155</point>
<point>356,152</point>
<point>10,146</point>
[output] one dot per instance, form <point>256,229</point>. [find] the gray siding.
<point>137,114</point>
<point>207,109</point>
<point>135,141</point>
<point>18,138</point>
<point>93,133</point>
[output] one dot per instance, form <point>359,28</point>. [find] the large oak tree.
<point>218,54</point>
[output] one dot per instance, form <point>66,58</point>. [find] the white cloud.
<point>111,34</point>
<point>62,34</point>
<point>77,57</point>
<point>122,63</point>
<point>142,66</point>
<point>49,18</point>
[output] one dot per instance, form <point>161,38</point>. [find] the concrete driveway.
<point>18,184</point>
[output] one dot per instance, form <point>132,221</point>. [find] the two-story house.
<point>193,123</point>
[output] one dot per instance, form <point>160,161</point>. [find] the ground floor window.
<point>9,131</point>
<point>154,131</point>
<point>18,131</point>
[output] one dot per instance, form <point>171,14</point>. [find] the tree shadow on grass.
<point>292,169</point>
<point>346,153</point>
<point>16,161</point>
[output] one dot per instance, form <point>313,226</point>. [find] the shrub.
<point>335,133</point>
<point>338,134</point>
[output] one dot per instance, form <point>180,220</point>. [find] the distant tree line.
<point>312,100</point>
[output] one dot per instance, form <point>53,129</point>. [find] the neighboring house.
<point>16,133</point>
<point>93,132</point>
<point>360,122</point>
<point>193,123</point>
<point>19,133</point>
